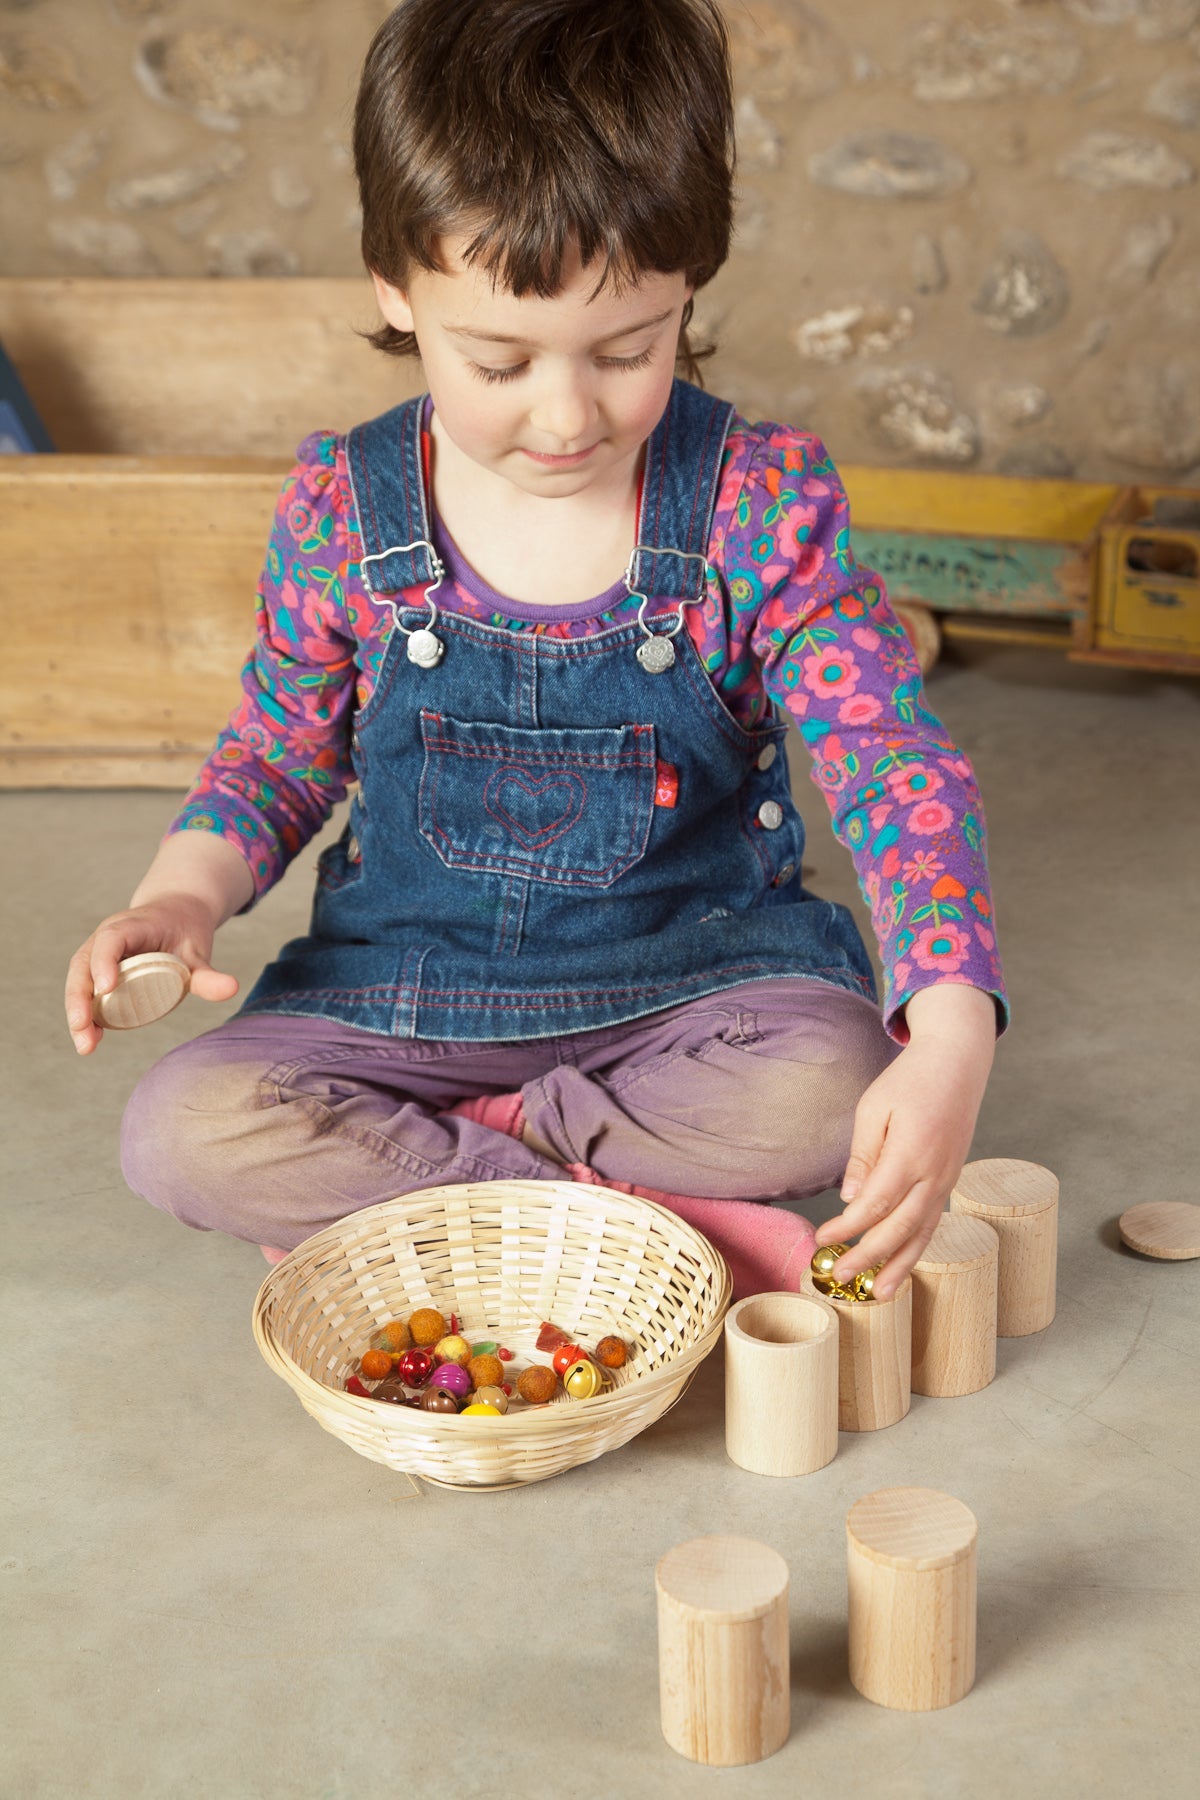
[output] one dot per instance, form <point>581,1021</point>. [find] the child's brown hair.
<point>532,124</point>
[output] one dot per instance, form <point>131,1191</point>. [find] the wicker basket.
<point>504,1255</point>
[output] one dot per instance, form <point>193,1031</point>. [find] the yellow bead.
<point>480,1406</point>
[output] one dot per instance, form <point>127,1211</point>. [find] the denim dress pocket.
<point>572,807</point>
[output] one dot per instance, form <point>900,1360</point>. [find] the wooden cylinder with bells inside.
<point>911,1580</point>
<point>1020,1201</point>
<point>723,1650</point>
<point>874,1357</point>
<point>954,1309</point>
<point>781,1384</point>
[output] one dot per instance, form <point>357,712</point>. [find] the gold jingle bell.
<point>823,1262</point>
<point>864,1283</point>
<point>582,1380</point>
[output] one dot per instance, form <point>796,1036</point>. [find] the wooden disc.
<point>1013,1190</point>
<point>148,988</point>
<point>911,1527</point>
<point>728,1578</point>
<point>959,1242</point>
<point>1167,1229</point>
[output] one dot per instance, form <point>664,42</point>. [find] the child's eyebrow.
<point>499,337</point>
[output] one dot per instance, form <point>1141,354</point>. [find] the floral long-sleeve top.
<point>788,617</point>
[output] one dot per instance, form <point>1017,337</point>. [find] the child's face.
<point>552,395</point>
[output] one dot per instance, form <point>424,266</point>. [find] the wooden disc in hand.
<point>148,988</point>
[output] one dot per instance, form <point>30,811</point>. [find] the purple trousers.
<point>272,1126</point>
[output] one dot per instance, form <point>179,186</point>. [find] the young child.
<point>549,623</point>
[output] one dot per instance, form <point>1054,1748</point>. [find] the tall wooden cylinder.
<point>1020,1201</point>
<point>723,1650</point>
<point>874,1357</point>
<point>911,1577</point>
<point>954,1309</point>
<point>781,1384</point>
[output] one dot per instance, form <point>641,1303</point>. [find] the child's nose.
<point>564,412</point>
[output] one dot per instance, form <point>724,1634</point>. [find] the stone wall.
<point>969,233</point>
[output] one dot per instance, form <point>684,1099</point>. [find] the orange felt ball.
<point>611,1353</point>
<point>427,1325</point>
<point>486,1371</point>
<point>537,1384</point>
<point>398,1335</point>
<point>375,1364</point>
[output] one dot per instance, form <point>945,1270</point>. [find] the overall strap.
<point>679,495</point>
<point>384,459</point>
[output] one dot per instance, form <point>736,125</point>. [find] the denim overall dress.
<point>553,834</point>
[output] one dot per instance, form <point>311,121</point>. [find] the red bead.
<point>504,1355</point>
<point>565,1355</point>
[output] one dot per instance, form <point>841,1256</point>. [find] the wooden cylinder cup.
<point>874,1357</point>
<point>954,1309</point>
<point>723,1650</point>
<point>1020,1201</point>
<point>911,1579</point>
<point>781,1384</point>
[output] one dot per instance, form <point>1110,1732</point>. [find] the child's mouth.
<point>560,462</point>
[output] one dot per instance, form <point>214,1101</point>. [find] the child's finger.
<point>866,1147</point>
<point>210,984</point>
<point>903,1261</point>
<point>907,1227</point>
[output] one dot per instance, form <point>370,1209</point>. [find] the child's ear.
<point>393,304</point>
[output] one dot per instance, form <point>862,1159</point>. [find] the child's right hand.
<point>178,923</point>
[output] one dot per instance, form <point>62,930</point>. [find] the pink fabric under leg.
<point>767,1248</point>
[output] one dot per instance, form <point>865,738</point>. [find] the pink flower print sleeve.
<point>283,761</point>
<point>827,645</point>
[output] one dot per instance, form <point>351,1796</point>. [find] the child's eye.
<point>512,370</point>
<point>506,374</point>
<point>627,362</point>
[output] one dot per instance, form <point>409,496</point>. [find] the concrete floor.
<point>208,1596</point>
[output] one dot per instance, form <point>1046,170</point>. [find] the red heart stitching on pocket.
<point>503,792</point>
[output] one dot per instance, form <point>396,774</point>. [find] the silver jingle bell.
<point>425,648</point>
<point>656,654</point>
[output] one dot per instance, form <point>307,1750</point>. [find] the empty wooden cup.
<point>723,1650</point>
<point>781,1384</point>
<point>911,1580</point>
<point>954,1309</point>
<point>1020,1201</point>
<point>874,1357</point>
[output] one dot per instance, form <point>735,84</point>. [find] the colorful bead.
<point>452,1377</point>
<point>481,1406</point>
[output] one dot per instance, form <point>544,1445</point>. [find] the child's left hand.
<point>912,1132</point>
